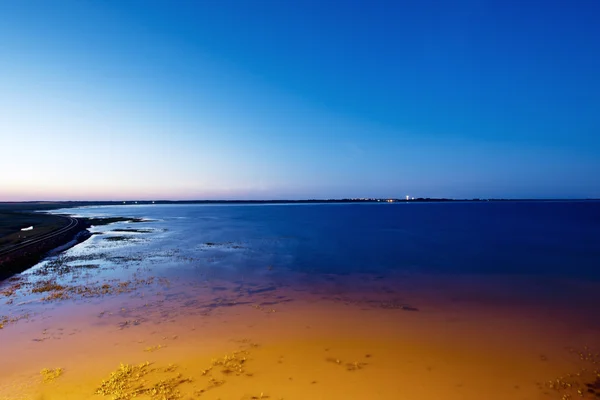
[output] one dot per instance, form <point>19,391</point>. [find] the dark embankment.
<point>18,257</point>
<point>20,250</point>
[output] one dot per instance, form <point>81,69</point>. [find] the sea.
<point>405,300</point>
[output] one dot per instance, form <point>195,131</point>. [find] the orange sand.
<point>327,342</point>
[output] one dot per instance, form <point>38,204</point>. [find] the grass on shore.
<point>11,224</point>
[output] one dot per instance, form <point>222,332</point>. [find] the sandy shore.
<point>333,339</point>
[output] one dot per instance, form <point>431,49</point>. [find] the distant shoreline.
<point>52,205</point>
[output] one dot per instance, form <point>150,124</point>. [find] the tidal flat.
<point>218,303</point>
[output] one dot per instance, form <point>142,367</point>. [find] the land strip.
<point>21,249</point>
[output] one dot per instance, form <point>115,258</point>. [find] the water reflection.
<point>216,302</point>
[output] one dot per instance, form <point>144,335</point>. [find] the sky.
<point>270,99</point>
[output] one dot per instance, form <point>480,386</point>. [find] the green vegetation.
<point>11,224</point>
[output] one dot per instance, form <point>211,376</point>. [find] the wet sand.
<point>299,337</point>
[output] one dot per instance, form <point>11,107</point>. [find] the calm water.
<point>546,238</point>
<point>455,301</point>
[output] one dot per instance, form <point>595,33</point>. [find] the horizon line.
<point>341,199</point>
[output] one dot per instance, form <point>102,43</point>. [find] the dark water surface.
<point>539,238</point>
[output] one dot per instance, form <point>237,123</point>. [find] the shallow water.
<point>401,301</point>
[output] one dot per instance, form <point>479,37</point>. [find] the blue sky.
<point>119,99</point>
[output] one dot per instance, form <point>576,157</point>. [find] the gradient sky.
<point>118,99</point>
